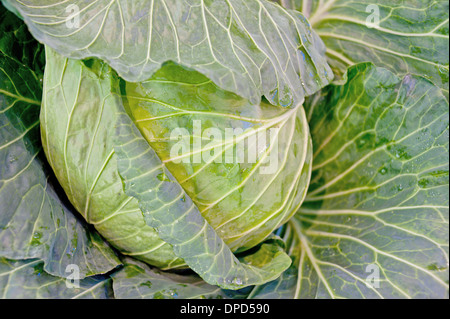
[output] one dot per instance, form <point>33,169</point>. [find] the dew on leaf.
<point>36,239</point>
<point>436,267</point>
<point>163,178</point>
<point>12,158</point>
<point>147,284</point>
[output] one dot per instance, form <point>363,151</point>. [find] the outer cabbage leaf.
<point>26,279</point>
<point>77,120</point>
<point>379,194</point>
<point>34,221</point>
<point>11,8</point>
<point>138,281</point>
<point>412,36</point>
<point>208,209</point>
<point>253,48</point>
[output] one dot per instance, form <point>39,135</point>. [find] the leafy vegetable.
<point>402,36</point>
<point>77,136</point>
<point>251,48</point>
<point>195,149</point>
<point>138,281</point>
<point>379,193</point>
<point>35,222</point>
<point>70,147</point>
<point>244,200</point>
<point>29,274</point>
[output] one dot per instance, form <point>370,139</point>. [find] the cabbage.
<point>199,149</point>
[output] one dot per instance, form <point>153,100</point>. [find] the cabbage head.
<point>224,149</point>
<point>244,167</point>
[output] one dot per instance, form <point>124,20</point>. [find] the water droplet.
<point>286,100</point>
<point>436,267</point>
<point>36,239</point>
<point>303,55</point>
<point>442,69</point>
<point>274,94</point>
<point>173,293</point>
<point>423,183</point>
<point>383,171</point>
<point>237,281</point>
<point>147,284</point>
<point>163,177</point>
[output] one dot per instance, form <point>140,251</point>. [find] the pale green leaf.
<point>77,120</point>
<point>379,194</point>
<point>27,280</point>
<point>411,36</point>
<point>35,222</point>
<point>138,281</point>
<point>253,48</point>
<point>246,178</point>
<point>208,209</point>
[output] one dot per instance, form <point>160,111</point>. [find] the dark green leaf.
<point>27,280</point>
<point>379,193</point>
<point>138,281</point>
<point>35,222</point>
<point>77,122</point>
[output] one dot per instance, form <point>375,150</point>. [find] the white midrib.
<point>375,47</point>
<point>307,249</point>
<point>376,250</point>
<point>242,137</point>
<point>404,34</point>
<point>368,155</point>
<point>291,189</point>
<point>88,290</point>
<point>318,15</point>
<point>20,98</point>
<point>385,224</point>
